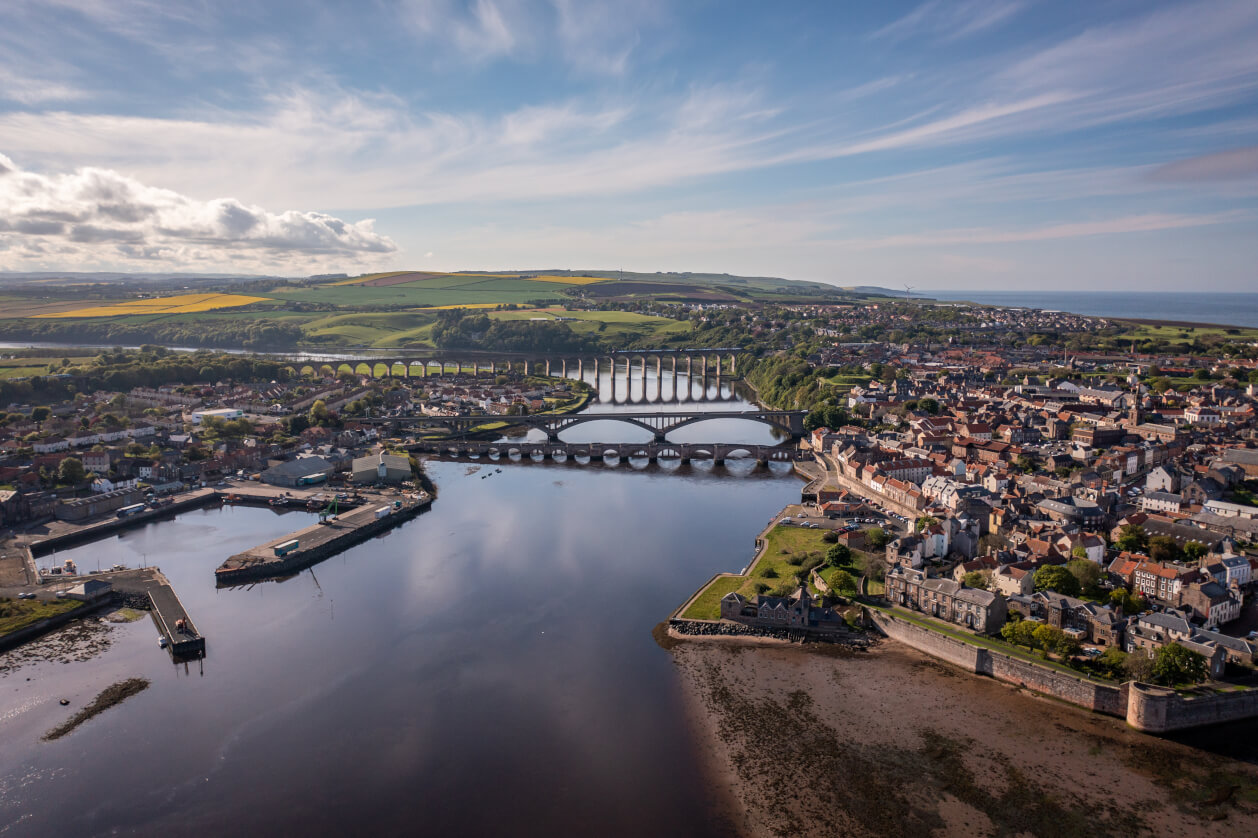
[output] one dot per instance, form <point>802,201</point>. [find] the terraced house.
<point>979,610</point>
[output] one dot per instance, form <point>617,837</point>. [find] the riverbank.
<point>890,742</point>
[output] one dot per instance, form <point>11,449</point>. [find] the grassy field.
<point>1178,333</point>
<point>783,543</point>
<point>20,613</point>
<point>27,367</point>
<point>609,323</point>
<point>449,290</point>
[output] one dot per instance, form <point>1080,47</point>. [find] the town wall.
<point>1101,698</point>
<point>1145,708</point>
<point>1156,711</point>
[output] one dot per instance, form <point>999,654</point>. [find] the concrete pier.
<point>320,541</point>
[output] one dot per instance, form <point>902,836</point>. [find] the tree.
<point>1130,603</point>
<point>319,413</point>
<point>929,405</point>
<point>1138,667</point>
<point>873,565</point>
<point>1173,664</point>
<point>1132,539</point>
<point>975,579</point>
<point>1114,661</point>
<point>1087,572</point>
<point>41,414</point>
<point>1163,548</point>
<point>924,522</point>
<point>1026,463</point>
<point>843,581</point>
<point>838,555</point>
<point>1194,550</point>
<point>1054,577</point>
<point>876,538</point>
<point>71,471</point>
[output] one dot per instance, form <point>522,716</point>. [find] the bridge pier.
<point>548,368</point>
<point>659,378</point>
<point>580,369</point>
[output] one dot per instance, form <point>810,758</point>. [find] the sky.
<point>976,144</point>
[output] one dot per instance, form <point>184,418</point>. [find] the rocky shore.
<point>889,742</point>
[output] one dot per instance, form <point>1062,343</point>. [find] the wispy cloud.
<point>97,214</point>
<point>596,36</point>
<point>1070,230</point>
<point>1230,165</point>
<point>950,20</point>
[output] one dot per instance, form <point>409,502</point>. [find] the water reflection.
<point>486,668</point>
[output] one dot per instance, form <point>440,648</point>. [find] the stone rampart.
<point>1102,698</point>
<point>1145,708</point>
<point>1156,710</point>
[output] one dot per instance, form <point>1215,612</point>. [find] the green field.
<point>20,613</point>
<point>27,367</point>
<point>782,543</point>
<point>628,324</point>
<point>1144,331</point>
<point>441,291</point>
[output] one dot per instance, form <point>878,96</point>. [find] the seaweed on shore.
<point>115,694</point>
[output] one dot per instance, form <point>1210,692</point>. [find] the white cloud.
<point>1150,222</point>
<point>97,215</point>
<point>1227,166</point>
<point>951,19</point>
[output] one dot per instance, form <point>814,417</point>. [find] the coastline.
<point>893,742</point>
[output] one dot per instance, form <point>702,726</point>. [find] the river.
<point>486,669</point>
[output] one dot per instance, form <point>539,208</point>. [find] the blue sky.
<point>1007,144</point>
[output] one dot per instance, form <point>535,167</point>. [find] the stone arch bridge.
<point>717,453</point>
<point>659,424</point>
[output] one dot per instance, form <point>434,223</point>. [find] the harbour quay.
<point>298,550</point>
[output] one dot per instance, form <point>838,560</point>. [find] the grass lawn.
<point>783,543</point>
<point>20,613</point>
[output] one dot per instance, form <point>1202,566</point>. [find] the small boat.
<point>163,642</point>
<point>497,471</point>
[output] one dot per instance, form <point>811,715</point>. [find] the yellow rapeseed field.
<point>181,304</point>
<point>459,305</point>
<point>563,280</point>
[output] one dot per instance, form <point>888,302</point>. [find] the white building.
<point>224,413</point>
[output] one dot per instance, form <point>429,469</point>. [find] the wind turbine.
<point>908,291</point>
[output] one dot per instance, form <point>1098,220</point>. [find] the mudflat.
<point>812,741</point>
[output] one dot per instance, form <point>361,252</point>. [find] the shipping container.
<point>127,511</point>
<point>285,548</point>
<point>383,511</point>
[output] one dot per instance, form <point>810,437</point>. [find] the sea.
<point>1218,308</point>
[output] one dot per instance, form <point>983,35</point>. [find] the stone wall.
<point>1156,711</point>
<point>1145,708</point>
<point>932,643</point>
<point>1102,698</point>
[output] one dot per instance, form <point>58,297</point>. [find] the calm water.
<point>486,669</point>
<point>1226,308</point>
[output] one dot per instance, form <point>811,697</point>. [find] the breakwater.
<point>1146,708</point>
<point>315,543</point>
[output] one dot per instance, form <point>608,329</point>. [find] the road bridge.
<point>659,424</point>
<point>717,452</point>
